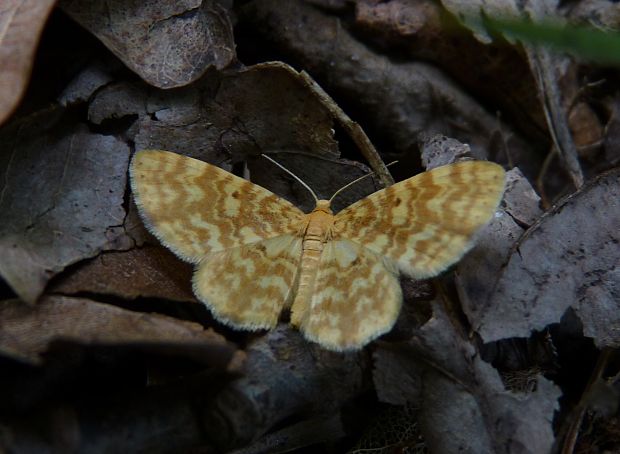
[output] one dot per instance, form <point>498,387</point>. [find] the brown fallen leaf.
<point>168,44</point>
<point>116,100</point>
<point>61,195</point>
<point>264,108</point>
<point>27,331</point>
<point>151,272</point>
<point>21,24</point>
<point>569,258</point>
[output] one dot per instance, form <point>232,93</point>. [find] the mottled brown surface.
<point>169,44</point>
<point>140,272</point>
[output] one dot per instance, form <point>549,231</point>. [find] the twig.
<point>541,63</point>
<point>353,129</point>
<point>540,184</point>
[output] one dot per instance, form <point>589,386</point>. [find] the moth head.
<point>324,206</point>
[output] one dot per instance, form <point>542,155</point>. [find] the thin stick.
<point>540,179</point>
<point>316,199</point>
<point>353,129</point>
<point>543,69</point>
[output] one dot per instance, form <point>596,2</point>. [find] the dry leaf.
<point>568,259</point>
<point>79,181</point>
<point>27,331</point>
<point>150,272</point>
<point>21,24</point>
<point>285,377</point>
<point>169,44</point>
<point>463,404</point>
<point>117,100</point>
<point>85,84</point>
<point>264,108</point>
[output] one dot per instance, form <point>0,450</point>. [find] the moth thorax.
<point>323,205</point>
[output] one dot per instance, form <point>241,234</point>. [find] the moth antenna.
<point>316,199</point>
<point>346,186</point>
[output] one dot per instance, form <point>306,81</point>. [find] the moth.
<point>256,253</point>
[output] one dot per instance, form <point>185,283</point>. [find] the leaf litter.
<point>477,360</point>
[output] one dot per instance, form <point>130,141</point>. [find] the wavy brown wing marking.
<point>195,208</point>
<point>357,297</point>
<point>247,287</point>
<point>426,223</point>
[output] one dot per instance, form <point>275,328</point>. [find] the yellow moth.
<point>256,253</point>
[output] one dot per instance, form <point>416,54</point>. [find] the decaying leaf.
<point>169,44</point>
<point>284,376</point>
<point>463,404</point>
<point>569,258</point>
<point>78,179</point>
<point>84,85</point>
<point>150,272</point>
<point>21,24</point>
<point>264,108</point>
<point>117,100</point>
<point>27,331</point>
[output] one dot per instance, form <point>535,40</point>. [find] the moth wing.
<point>357,297</point>
<point>427,222</point>
<point>195,208</point>
<point>247,286</point>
